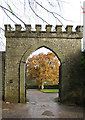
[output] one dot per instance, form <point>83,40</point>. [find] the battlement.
<point>28,32</point>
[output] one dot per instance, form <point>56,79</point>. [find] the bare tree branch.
<point>2,42</point>
<point>2,28</point>
<point>16,8</point>
<point>62,1</point>
<point>59,5</point>
<point>8,16</point>
<point>13,13</point>
<point>51,11</point>
<point>24,6</point>
<point>54,14</point>
<point>37,14</point>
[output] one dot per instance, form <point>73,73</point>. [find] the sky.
<point>41,50</point>
<point>68,9</point>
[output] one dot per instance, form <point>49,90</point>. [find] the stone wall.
<point>21,43</point>
<point>0,85</point>
<point>0,76</point>
<point>83,79</point>
<point>3,75</point>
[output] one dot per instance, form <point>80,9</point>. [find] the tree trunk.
<point>42,87</point>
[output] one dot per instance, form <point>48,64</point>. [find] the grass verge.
<point>49,90</point>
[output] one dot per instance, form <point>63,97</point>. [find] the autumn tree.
<point>44,68</point>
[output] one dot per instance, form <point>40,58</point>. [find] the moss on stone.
<point>56,99</point>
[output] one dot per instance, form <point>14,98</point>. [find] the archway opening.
<point>43,71</point>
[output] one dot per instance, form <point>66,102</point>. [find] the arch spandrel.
<point>45,44</point>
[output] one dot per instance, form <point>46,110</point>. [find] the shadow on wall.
<point>75,79</point>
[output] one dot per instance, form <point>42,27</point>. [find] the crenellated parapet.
<point>58,33</point>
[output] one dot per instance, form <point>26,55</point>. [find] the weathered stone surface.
<point>3,75</point>
<point>20,44</point>
<point>0,77</point>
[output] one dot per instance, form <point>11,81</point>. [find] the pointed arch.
<point>45,44</point>
<point>22,64</point>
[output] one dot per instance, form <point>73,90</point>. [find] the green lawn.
<point>49,90</point>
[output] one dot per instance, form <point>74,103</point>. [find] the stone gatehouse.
<point>21,43</point>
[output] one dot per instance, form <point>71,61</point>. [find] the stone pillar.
<point>22,83</point>
<point>0,85</point>
<point>11,75</point>
<point>3,75</point>
<point>64,81</point>
<point>84,26</point>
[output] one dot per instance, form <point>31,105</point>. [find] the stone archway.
<point>20,44</point>
<point>23,64</point>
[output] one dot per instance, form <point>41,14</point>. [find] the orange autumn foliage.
<point>44,68</point>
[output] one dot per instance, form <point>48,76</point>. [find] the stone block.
<point>48,28</point>
<point>17,27</point>
<point>58,28</point>
<point>69,28</point>
<point>28,28</point>
<point>38,28</point>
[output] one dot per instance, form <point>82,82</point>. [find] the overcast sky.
<point>69,9</point>
<point>41,50</point>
